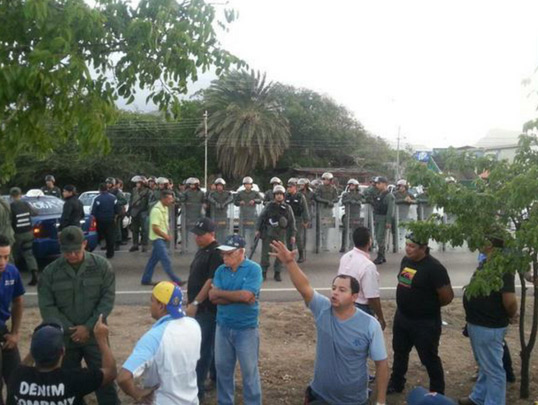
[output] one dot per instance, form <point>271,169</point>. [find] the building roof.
<point>498,138</point>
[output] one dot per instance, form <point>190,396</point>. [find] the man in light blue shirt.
<point>346,337</point>
<point>235,290</point>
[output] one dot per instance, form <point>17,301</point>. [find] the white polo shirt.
<point>357,263</point>
<point>167,355</point>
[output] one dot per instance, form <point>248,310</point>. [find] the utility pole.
<point>398,155</point>
<point>205,160</point>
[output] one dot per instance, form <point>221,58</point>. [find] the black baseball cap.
<point>203,226</point>
<point>47,342</point>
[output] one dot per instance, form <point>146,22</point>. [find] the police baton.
<point>254,246</point>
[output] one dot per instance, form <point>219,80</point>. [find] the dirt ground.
<point>287,351</point>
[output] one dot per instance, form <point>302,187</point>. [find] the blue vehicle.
<point>45,227</point>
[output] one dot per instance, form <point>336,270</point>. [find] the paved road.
<point>320,269</point>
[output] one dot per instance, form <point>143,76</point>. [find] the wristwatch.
<point>195,303</point>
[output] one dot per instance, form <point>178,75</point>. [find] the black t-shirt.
<point>27,385</point>
<point>203,267</point>
<point>416,294</point>
<point>489,311</point>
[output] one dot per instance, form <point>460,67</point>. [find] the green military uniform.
<point>77,297</point>
<point>21,221</point>
<point>268,197</point>
<point>54,191</point>
<point>298,204</point>
<point>139,211</point>
<point>369,194</point>
<point>352,201</point>
<point>326,196</point>
<point>192,203</point>
<point>122,203</point>
<point>383,214</point>
<point>247,202</point>
<point>219,201</point>
<point>273,224</point>
<point>5,221</point>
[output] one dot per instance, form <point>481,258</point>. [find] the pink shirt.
<point>357,263</point>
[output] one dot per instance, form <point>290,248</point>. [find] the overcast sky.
<point>445,72</point>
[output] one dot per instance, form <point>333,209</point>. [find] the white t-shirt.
<point>357,263</point>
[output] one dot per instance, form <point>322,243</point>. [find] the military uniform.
<point>192,201</point>
<point>247,213</point>
<point>268,197</point>
<point>139,211</point>
<point>383,214</point>
<point>325,196</point>
<point>273,224</point>
<point>54,191</point>
<point>370,194</point>
<point>219,202</point>
<point>76,296</point>
<point>298,204</point>
<point>21,220</point>
<point>352,201</point>
<point>122,203</point>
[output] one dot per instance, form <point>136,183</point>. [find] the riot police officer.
<point>219,199</point>
<point>383,213</point>
<point>139,211</point>
<point>273,224</point>
<point>402,194</point>
<point>298,204</point>
<point>113,188</point>
<point>50,188</point>
<point>326,196</point>
<point>275,181</point>
<point>352,201</point>
<point>192,200</point>
<point>247,200</point>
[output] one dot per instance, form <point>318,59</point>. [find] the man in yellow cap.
<point>166,356</point>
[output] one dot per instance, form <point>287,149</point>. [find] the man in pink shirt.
<point>357,263</point>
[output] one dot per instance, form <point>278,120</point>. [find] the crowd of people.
<point>197,342</point>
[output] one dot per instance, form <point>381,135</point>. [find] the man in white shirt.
<point>357,263</point>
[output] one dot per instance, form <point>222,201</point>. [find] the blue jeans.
<point>487,344</point>
<point>231,345</point>
<point>208,325</point>
<point>159,253</point>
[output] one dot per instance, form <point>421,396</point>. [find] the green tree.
<point>502,204</point>
<point>245,122</point>
<point>64,63</point>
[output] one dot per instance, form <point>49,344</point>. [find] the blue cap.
<point>47,342</point>
<point>170,295</point>
<point>232,242</point>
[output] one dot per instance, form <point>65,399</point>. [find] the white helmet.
<point>292,181</point>
<point>275,180</point>
<point>247,180</point>
<point>352,181</point>
<point>450,179</point>
<point>220,180</point>
<point>137,178</point>
<point>162,180</point>
<point>302,181</point>
<point>327,176</point>
<point>279,189</point>
<point>192,180</point>
<point>402,182</point>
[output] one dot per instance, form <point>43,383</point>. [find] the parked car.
<point>87,198</point>
<point>45,227</point>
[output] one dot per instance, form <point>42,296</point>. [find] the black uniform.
<point>54,191</point>
<point>72,213</point>
<point>105,208</point>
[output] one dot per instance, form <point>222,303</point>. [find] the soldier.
<point>73,209</point>
<point>275,181</point>
<point>192,200</point>
<point>383,213</point>
<point>219,201</point>
<point>402,194</point>
<point>139,211</point>
<point>370,193</point>
<point>352,201</point>
<point>247,200</point>
<point>21,220</point>
<point>75,289</point>
<point>298,204</point>
<point>50,188</point>
<point>303,187</point>
<point>326,196</point>
<point>273,224</point>
<point>113,188</point>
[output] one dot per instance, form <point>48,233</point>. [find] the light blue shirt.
<point>247,277</point>
<point>342,350</point>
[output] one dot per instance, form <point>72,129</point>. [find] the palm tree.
<point>246,122</point>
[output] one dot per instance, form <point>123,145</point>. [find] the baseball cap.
<point>15,191</point>
<point>232,242</point>
<point>381,179</point>
<point>411,238</point>
<point>71,188</point>
<point>203,226</point>
<point>71,239</point>
<point>169,294</point>
<point>47,342</point>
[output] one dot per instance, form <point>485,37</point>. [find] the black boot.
<point>33,281</point>
<point>379,259</point>
<point>301,256</point>
<point>134,248</point>
<point>264,274</point>
<point>277,276</point>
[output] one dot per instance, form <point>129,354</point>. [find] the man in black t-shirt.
<point>203,267</point>
<point>487,321</point>
<point>47,382</point>
<point>423,288</point>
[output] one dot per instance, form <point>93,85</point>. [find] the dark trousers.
<point>91,354</point>
<point>106,231</point>
<point>208,324</point>
<point>424,335</point>
<point>365,308</point>
<point>9,360</point>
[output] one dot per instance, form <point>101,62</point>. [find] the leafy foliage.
<point>64,63</point>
